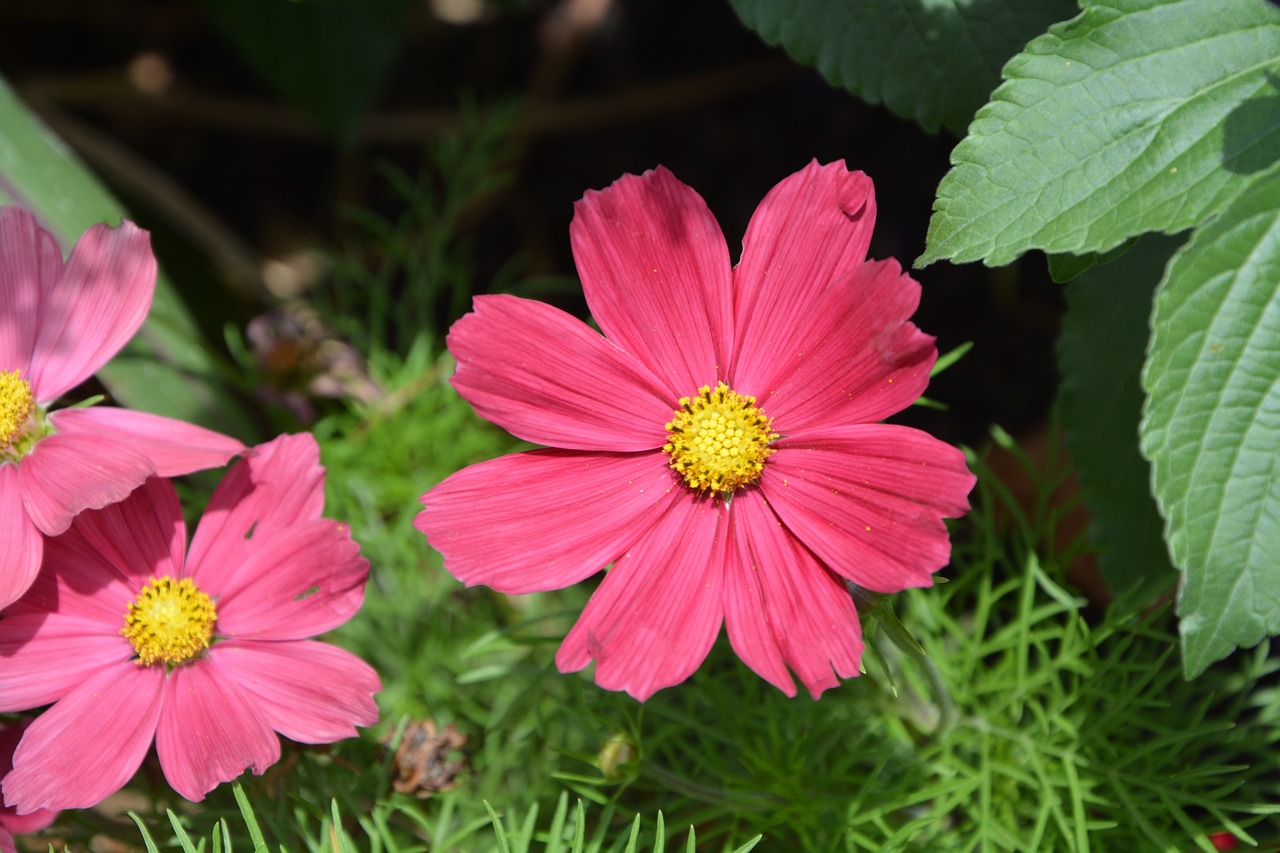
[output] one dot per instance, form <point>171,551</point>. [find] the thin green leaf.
<point>1211,426</point>
<point>1136,116</point>
<point>146,836</point>
<point>250,820</point>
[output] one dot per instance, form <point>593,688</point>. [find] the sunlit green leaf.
<point>1211,426</point>
<point>1137,116</point>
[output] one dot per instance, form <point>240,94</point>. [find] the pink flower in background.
<point>58,325</point>
<point>718,445</point>
<point>10,820</point>
<point>206,655</point>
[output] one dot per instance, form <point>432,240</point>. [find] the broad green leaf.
<point>1137,116</point>
<point>934,61</point>
<point>163,369</point>
<point>1100,355</point>
<point>1211,426</point>
<point>327,56</point>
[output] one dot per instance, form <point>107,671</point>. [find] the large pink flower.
<point>58,324</point>
<point>207,655</point>
<point>719,444</point>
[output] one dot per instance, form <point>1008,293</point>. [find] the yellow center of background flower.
<point>16,405</point>
<point>719,439</point>
<point>169,621</point>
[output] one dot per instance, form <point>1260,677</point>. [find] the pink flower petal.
<point>10,735</point>
<point>781,604</point>
<point>209,733</point>
<point>657,612</point>
<point>140,537</point>
<point>77,580</point>
<point>810,230</point>
<point>544,519</point>
<point>548,378</point>
<point>66,474</point>
<point>656,272</point>
<point>30,264</point>
<point>307,691</point>
<point>100,300</point>
<point>274,486</point>
<point>295,583</point>
<point>44,657</point>
<point>869,500</point>
<point>858,361</point>
<point>21,546</point>
<point>174,447</point>
<point>90,743</point>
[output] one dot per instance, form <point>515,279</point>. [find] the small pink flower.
<point>718,445</point>
<point>207,655</point>
<point>58,324</point>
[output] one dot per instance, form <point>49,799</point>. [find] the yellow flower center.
<point>169,621</point>
<point>719,439</point>
<point>16,405</point>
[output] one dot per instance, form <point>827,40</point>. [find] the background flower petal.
<point>656,273</point>
<point>307,691</point>
<point>89,744</point>
<point>100,300</point>
<point>21,546</point>
<point>781,604</point>
<point>810,230</point>
<point>209,733</point>
<point>857,360</point>
<point>657,612</point>
<point>64,475</point>
<point>546,377</point>
<point>295,583</point>
<point>30,264</point>
<point>544,519</point>
<point>869,500</point>
<point>174,447</point>
<point>276,485</point>
<point>10,735</point>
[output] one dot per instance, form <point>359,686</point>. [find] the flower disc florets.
<point>16,406</point>
<point>170,621</point>
<point>719,439</point>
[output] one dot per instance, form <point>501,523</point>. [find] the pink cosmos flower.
<point>207,655</point>
<point>58,324</point>
<point>718,445</point>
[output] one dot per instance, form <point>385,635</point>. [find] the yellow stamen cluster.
<point>16,405</point>
<point>719,439</point>
<point>170,621</point>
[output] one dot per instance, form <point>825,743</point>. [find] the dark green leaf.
<point>327,56</point>
<point>934,62</point>
<point>1100,354</point>
<point>1211,426</point>
<point>1137,116</point>
<point>1065,268</point>
<point>163,370</point>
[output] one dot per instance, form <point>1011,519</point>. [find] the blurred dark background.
<point>255,138</point>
